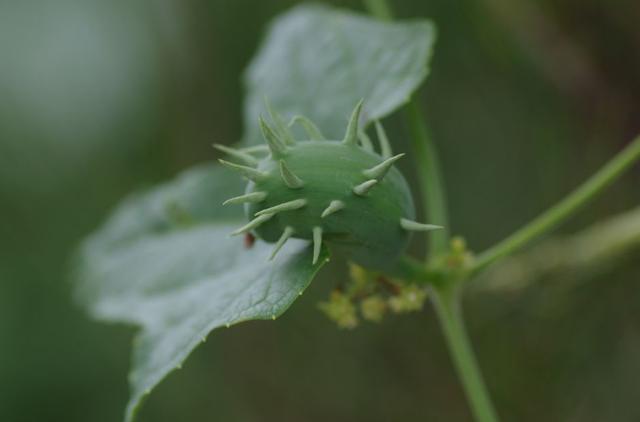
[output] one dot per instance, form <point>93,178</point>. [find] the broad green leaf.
<point>165,262</point>
<point>320,62</point>
<point>195,196</point>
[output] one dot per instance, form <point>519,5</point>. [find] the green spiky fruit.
<point>341,193</point>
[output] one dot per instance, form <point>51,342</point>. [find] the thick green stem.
<point>447,305</point>
<point>564,209</point>
<point>431,185</point>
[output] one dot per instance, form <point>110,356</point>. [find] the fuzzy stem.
<point>563,209</point>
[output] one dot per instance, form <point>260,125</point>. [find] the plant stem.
<point>447,306</point>
<point>431,184</point>
<point>564,209</point>
<point>415,271</point>
<point>446,296</point>
<point>430,179</point>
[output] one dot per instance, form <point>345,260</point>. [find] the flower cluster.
<point>371,296</point>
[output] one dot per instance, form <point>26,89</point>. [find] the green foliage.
<point>318,62</point>
<point>102,97</point>
<point>164,260</point>
<point>189,199</point>
<point>178,275</point>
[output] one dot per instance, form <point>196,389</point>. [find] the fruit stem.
<point>548,220</point>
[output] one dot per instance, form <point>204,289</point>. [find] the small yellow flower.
<point>410,298</point>
<point>373,308</point>
<point>340,309</point>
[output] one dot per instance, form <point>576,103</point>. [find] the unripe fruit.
<point>337,192</point>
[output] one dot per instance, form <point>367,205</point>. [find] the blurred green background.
<point>525,99</point>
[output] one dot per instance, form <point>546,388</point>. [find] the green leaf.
<point>174,271</point>
<point>319,62</point>
<point>195,196</point>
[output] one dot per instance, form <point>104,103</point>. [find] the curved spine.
<point>334,206</point>
<point>385,146</point>
<point>252,224</point>
<point>286,234</point>
<point>277,148</point>
<point>365,141</point>
<point>378,172</point>
<point>240,155</point>
<point>317,243</point>
<point>281,128</point>
<point>285,206</point>
<point>289,178</point>
<point>248,172</point>
<point>247,198</point>
<point>311,129</point>
<point>254,149</point>
<point>351,135</point>
<point>363,188</point>
<point>411,225</point>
